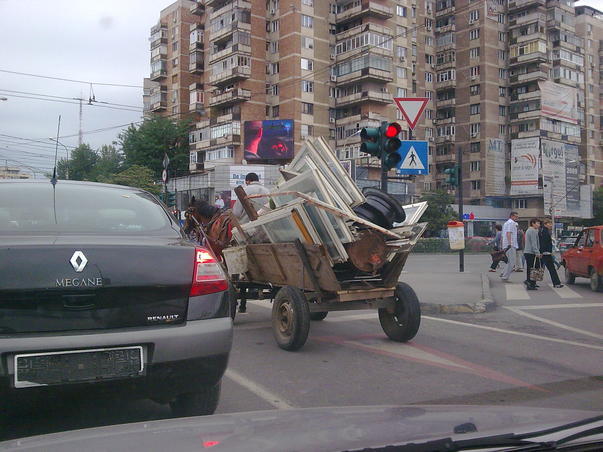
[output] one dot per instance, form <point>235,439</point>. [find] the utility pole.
<point>80,132</point>
<point>459,162</point>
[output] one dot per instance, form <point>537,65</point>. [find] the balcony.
<point>528,18</point>
<point>520,4</point>
<point>364,96</point>
<point>226,31</point>
<point>197,40</point>
<point>445,139</point>
<point>528,77</point>
<point>363,28</point>
<point>444,121</point>
<point>198,8</point>
<point>230,75</point>
<point>534,57</point>
<point>158,35</point>
<point>158,102</point>
<point>366,8</point>
<point>445,28</point>
<point>367,73</point>
<point>445,84</point>
<point>159,73</point>
<point>446,158</point>
<point>230,97</point>
<point>233,5</point>
<point>229,51</point>
<point>445,102</point>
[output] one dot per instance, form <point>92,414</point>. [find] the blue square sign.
<point>413,158</point>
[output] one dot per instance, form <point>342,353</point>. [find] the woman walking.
<point>531,252</point>
<point>546,249</point>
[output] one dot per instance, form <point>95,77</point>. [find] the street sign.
<point>413,158</point>
<point>166,160</point>
<point>164,176</point>
<point>412,108</point>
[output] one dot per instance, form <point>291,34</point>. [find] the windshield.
<point>138,283</point>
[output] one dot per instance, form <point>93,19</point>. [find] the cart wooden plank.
<point>368,294</point>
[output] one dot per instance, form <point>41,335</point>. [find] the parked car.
<point>585,258</point>
<point>101,291</point>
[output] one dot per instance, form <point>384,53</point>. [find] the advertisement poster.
<point>553,176</point>
<point>572,179</point>
<point>269,140</point>
<point>492,9</point>
<point>525,155</point>
<point>495,168</point>
<point>237,176</point>
<point>559,101</point>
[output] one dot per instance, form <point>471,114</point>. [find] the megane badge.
<point>78,261</point>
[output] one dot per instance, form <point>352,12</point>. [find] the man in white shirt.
<point>252,187</point>
<point>509,244</point>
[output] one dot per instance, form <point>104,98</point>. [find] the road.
<point>542,348</point>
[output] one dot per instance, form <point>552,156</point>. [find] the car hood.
<point>312,429</point>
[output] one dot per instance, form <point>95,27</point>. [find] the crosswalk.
<point>518,291</point>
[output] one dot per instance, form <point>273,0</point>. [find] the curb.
<point>485,304</point>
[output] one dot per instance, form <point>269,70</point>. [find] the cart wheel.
<point>403,324</point>
<point>318,315</point>
<point>290,318</point>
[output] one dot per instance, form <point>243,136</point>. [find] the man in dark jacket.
<point>546,249</point>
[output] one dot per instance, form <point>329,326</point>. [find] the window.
<point>444,76</point>
<point>502,36</point>
<point>429,40</point>
<point>502,110</point>
<point>401,72</point>
<point>474,166</point>
<point>429,76</point>
<point>307,87</point>
<point>475,184</point>
<point>175,62</point>
<point>502,130</point>
<point>401,92</point>
<point>401,11</point>
<point>428,24</point>
<point>473,16</point>
<point>401,51</point>
<point>474,129</point>
<point>307,43</point>
<point>307,108</point>
<point>474,90</point>
<point>307,21</point>
<point>272,26</point>
<point>502,91</point>
<point>501,18</point>
<point>275,111</point>
<point>502,73</point>
<point>474,53</point>
<point>307,64</point>
<point>429,113</point>
<point>413,12</point>
<point>428,94</point>
<point>308,2</point>
<point>474,109</point>
<point>519,204</point>
<point>175,46</point>
<point>474,72</point>
<point>306,130</point>
<point>475,147</point>
<point>474,34</point>
<point>428,59</point>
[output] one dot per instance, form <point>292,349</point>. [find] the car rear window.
<point>79,209</point>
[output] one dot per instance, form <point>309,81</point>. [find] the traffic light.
<point>171,199</point>
<point>382,142</point>
<point>452,174</point>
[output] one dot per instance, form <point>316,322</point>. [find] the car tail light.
<point>208,276</point>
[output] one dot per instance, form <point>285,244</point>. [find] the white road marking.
<point>535,307</point>
<point>553,323</point>
<point>258,390</point>
<point>516,292</point>
<point>514,333</point>
<point>565,292</point>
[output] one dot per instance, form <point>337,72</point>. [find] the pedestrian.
<point>219,202</point>
<point>532,252</point>
<point>252,187</point>
<point>495,243</point>
<point>546,249</point>
<point>521,259</point>
<point>509,244</point>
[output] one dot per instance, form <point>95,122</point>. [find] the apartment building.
<point>332,68</point>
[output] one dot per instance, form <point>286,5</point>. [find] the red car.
<point>585,258</point>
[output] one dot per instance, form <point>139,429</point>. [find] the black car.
<point>101,290</point>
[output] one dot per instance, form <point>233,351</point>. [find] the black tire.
<point>596,282</point>
<point>570,278</point>
<point>290,318</point>
<point>318,315</point>
<point>403,324</point>
<point>200,403</point>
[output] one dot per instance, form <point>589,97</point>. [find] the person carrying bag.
<point>532,254</point>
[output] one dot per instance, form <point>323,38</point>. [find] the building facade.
<point>332,68</point>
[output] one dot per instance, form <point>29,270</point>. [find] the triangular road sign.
<point>411,108</point>
<point>412,160</point>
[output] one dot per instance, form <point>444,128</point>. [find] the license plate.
<point>77,366</point>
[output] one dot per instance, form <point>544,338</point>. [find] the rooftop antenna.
<point>53,180</point>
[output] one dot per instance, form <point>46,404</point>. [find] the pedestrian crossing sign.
<point>413,158</point>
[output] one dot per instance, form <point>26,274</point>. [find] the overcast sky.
<point>103,41</point>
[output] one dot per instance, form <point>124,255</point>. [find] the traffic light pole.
<point>459,162</point>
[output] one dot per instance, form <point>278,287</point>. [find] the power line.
<point>72,103</point>
<point>36,140</point>
<point>91,100</point>
<point>70,80</point>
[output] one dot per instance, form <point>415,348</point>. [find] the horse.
<point>210,224</point>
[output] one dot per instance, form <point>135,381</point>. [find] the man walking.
<point>531,252</point>
<point>509,244</point>
<point>252,187</point>
<point>546,248</point>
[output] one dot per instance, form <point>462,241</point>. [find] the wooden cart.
<point>307,288</point>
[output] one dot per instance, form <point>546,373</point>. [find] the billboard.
<point>553,176</point>
<point>268,140</point>
<point>559,101</point>
<point>495,168</point>
<point>237,173</point>
<point>525,154</point>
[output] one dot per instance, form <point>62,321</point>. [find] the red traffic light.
<point>392,130</point>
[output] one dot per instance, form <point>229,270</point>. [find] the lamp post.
<point>66,149</point>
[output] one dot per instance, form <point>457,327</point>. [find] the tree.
<point>108,164</point>
<point>137,176</point>
<point>81,164</point>
<point>146,144</point>
<point>439,211</point>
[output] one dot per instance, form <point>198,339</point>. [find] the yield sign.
<point>411,108</point>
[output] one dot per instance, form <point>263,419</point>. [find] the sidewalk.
<point>442,289</point>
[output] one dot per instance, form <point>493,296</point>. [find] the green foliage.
<point>81,164</point>
<point>147,143</point>
<point>137,176</point>
<point>439,212</point>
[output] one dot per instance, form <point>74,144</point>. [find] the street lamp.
<point>3,98</point>
<point>66,149</point>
